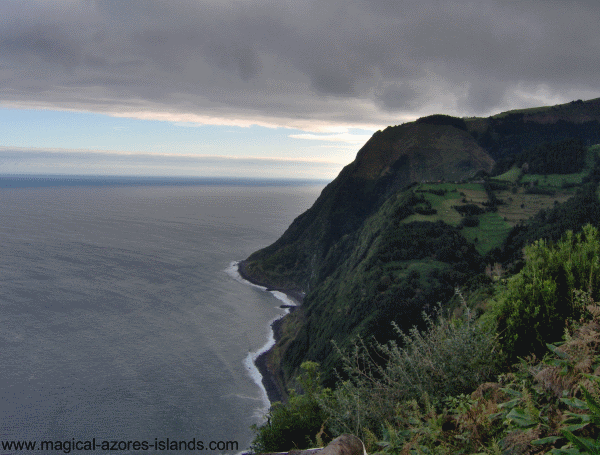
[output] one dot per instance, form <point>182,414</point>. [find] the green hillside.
<point>417,215</point>
<point>391,160</point>
<point>453,386</point>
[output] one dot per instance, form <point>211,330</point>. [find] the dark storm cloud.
<point>52,47</point>
<point>298,63</point>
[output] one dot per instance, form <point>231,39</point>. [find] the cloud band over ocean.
<point>39,161</point>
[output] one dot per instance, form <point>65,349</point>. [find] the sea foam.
<point>250,360</point>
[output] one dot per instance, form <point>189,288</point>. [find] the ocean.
<point>121,315</point>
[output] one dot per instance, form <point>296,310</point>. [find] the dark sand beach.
<point>270,383</point>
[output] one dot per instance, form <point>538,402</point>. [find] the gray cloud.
<point>370,62</point>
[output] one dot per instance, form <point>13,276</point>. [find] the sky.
<point>256,88</point>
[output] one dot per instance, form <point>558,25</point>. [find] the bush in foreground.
<point>540,300</point>
<point>298,424</point>
<point>450,357</point>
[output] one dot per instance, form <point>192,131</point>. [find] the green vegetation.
<point>552,223</point>
<point>316,243</point>
<point>566,156</point>
<point>433,390</point>
<point>570,109</point>
<point>490,233</point>
<point>562,181</point>
<point>541,299</point>
<point>301,422</point>
<point>415,216</point>
<point>511,133</point>
<point>513,175</point>
<point>396,271</point>
<point>447,358</point>
<point>409,255</point>
<point>554,180</point>
<point>439,119</point>
<point>531,110</point>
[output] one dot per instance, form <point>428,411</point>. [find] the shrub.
<point>425,211</point>
<point>298,424</point>
<point>450,357</point>
<point>469,209</point>
<point>537,302</point>
<point>541,407</point>
<point>538,190</point>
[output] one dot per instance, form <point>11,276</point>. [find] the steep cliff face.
<point>308,258</point>
<point>420,151</point>
<point>390,160</point>
<point>375,248</point>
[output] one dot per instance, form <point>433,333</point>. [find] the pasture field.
<point>493,226</point>
<point>521,206</point>
<point>475,196</point>
<point>518,205</point>
<point>490,233</point>
<point>443,204</point>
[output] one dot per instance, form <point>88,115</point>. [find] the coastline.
<point>291,293</point>
<point>268,377</point>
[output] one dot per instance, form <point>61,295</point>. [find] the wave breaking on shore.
<point>253,359</point>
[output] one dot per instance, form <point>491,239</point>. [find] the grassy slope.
<point>571,110</point>
<point>519,206</point>
<point>365,290</point>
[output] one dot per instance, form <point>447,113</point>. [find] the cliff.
<point>391,160</point>
<point>405,223</point>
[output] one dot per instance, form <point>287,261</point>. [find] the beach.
<point>292,299</point>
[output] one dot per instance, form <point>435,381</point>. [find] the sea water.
<point>122,317</point>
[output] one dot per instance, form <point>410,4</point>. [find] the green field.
<point>518,205</point>
<point>513,175</point>
<point>490,233</point>
<point>442,203</point>
<point>492,229</point>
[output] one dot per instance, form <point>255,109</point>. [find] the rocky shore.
<point>270,380</point>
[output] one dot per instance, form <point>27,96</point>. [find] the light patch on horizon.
<point>220,117</point>
<point>89,133</point>
<point>15,160</point>
<point>341,137</point>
